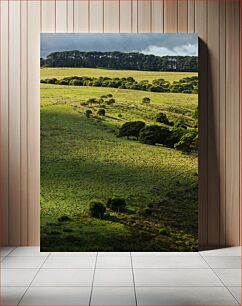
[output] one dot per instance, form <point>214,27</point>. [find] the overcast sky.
<point>152,43</point>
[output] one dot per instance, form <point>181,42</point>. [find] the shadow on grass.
<point>69,167</point>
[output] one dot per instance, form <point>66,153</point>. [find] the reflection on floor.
<point>29,277</point>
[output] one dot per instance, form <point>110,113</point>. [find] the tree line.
<point>120,61</point>
<point>185,85</point>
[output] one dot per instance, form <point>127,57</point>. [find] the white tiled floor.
<point>29,277</point>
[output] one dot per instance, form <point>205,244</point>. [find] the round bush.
<point>64,218</point>
<point>88,113</point>
<point>146,100</point>
<point>110,101</point>
<point>131,129</point>
<point>154,134</point>
<point>52,81</point>
<point>116,204</point>
<point>101,112</point>
<point>163,231</point>
<point>97,209</point>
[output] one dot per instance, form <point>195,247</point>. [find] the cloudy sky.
<point>152,43</point>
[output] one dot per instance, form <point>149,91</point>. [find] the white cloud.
<point>183,50</point>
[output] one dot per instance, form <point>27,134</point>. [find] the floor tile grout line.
<point>239,302</point>
<point>33,279</point>
<point>135,295</point>
<point>143,286</point>
<point>221,280</point>
<point>90,299</point>
<point>91,268</point>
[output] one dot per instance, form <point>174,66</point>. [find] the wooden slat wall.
<point>201,25</point>
<point>232,132</point>
<point>216,22</point>
<point>33,50</point>
<point>4,132</point>
<point>14,121</point>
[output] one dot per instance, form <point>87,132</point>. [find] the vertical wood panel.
<point>111,16</point>
<point>240,126</point>
<point>48,15</point>
<point>213,123</point>
<point>61,16</point>
<point>96,15</point>
<point>201,28</point>
<point>232,122</point>
<point>70,15</point>
<point>14,122</point>
<point>183,15</point>
<point>81,16</point>
<point>125,15</point>
<point>33,122</point>
<point>171,15</point>
<point>157,13</point>
<point>23,124</point>
<point>134,16</point>
<point>222,138</point>
<point>191,15</point>
<point>144,16</point>
<point>4,122</point>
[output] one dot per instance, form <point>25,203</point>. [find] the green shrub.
<point>92,101</point>
<point>83,103</point>
<point>110,101</point>
<point>146,100</point>
<point>63,82</point>
<point>131,129</point>
<point>188,142</point>
<point>154,134</point>
<point>64,218</point>
<point>116,203</point>
<point>76,82</point>
<point>120,115</point>
<point>162,118</point>
<point>163,231</point>
<point>146,211</point>
<point>109,95</point>
<point>88,113</point>
<point>100,101</point>
<point>176,134</point>
<point>52,81</point>
<point>101,112</point>
<point>97,209</point>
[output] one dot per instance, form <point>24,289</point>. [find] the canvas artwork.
<point>119,142</point>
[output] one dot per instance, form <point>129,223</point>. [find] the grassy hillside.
<point>128,102</point>
<point>60,73</point>
<point>82,159</point>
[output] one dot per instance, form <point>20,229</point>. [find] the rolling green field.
<point>60,73</point>
<point>82,159</point>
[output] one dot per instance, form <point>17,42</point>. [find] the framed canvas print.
<point>119,142</point>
